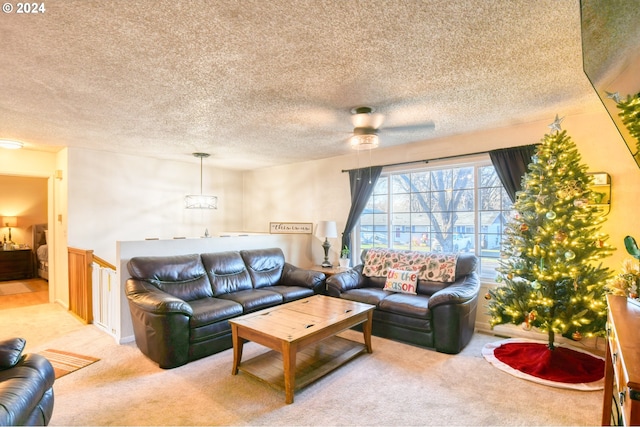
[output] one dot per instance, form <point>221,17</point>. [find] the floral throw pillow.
<point>432,266</point>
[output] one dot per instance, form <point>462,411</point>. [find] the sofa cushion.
<point>264,265</point>
<point>254,299</point>
<point>209,318</point>
<point>182,276</point>
<point>291,293</point>
<point>401,281</point>
<point>407,305</point>
<point>227,272</point>
<point>11,352</point>
<point>371,296</point>
<point>211,310</point>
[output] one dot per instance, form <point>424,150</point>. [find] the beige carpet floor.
<point>397,384</point>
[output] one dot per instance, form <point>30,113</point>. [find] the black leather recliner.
<point>181,305</point>
<point>26,386</point>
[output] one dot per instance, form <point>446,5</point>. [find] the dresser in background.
<point>621,402</point>
<point>16,264</point>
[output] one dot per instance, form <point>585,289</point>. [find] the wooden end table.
<point>306,328</point>
<point>329,271</point>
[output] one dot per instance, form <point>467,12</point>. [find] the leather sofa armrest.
<point>160,323</point>
<point>342,282</point>
<point>296,276</point>
<point>152,300</point>
<point>42,366</point>
<point>459,292</point>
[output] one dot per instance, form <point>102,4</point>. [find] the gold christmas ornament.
<point>560,236</point>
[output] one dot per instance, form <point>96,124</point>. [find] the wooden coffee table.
<point>305,329</point>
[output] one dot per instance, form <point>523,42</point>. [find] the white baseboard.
<point>127,339</point>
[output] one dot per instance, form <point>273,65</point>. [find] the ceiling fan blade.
<point>416,127</point>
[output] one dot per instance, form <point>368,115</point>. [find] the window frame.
<point>505,211</point>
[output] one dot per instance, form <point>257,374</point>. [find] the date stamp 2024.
<point>21,8</point>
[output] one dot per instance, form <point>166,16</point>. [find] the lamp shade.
<point>9,221</point>
<point>327,229</point>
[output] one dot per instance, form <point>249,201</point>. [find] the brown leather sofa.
<point>26,386</point>
<point>440,316</point>
<point>181,305</point>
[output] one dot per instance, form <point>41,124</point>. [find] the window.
<point>455,208</point>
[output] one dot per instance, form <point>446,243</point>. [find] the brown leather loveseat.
<point>440,315</point>
<point>181,305</point>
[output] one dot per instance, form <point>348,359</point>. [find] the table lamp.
<point>326,229</point>
<point>10,221</point>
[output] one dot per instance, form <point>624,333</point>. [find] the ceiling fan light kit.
<point>367,140</point>
<point>367,124</point>
<point>365,134</point>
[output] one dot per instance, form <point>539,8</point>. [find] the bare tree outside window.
<point>454,209</point>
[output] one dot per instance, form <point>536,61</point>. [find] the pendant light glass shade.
<point>200,201</point>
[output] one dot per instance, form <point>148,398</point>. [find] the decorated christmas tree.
<point>549,271</point>
<point>630,116</point>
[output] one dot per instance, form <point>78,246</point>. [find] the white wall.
<point>121,197</point>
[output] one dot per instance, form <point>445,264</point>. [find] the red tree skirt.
<point>532,360</point>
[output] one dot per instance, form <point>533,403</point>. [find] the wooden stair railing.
<point>80,281</point>
<point>102,263</point>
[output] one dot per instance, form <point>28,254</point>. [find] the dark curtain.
<point>362,182</point>
<point>511,165</point>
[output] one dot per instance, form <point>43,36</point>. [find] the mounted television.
<point>611,59</point>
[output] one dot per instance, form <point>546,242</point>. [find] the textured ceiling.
<point>259,83</point>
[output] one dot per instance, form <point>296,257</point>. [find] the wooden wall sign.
<point>291,227</point>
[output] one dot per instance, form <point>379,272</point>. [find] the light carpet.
<point>13,288</point>
<point>397,384</point>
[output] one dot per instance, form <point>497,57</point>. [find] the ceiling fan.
<point>368,124</point>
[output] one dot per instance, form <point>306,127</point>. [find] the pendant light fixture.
<point>200,201</point>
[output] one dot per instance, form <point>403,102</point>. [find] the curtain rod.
<point>421,161</point>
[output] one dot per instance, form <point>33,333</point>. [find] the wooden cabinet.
<point>16,264</point>
<point>621,402</point>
